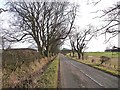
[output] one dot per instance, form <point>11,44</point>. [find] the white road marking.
<point>86,74</point>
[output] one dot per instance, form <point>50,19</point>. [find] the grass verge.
<point>109,71</point>
<point>49,79</point>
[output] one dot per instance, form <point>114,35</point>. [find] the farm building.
<point>114,49</point>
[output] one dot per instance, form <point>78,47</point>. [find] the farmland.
<point>109,54</point>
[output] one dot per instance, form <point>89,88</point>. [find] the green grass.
<point>109,54</point>
<point>98,54</point>
<point>49,79</point>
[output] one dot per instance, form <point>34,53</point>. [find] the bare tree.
<point>55,49</point>
<point>80,39</point>
<point>72,43</point>
<point>43,22</point>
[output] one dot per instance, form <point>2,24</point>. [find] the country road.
<point>76,75</point>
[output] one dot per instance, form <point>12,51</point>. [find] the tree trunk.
<point>79,56</point>
<point>52,54</point>
<point>82,55</point>
<point>73,53</point>
<point>41,52</point>
<point>48,51</point>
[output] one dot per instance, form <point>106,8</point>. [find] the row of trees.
<point>45,24</point>
<point>80,38</point>
<point>48,24</point>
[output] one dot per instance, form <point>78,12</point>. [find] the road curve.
<point>77,75</point>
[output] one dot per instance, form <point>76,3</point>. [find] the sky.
<point>85,17</point>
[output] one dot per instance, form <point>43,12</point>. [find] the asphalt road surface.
<point>76,75</point>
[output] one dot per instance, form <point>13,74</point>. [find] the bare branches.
<point>111,16</point>
<point>48,23</point>
<point>2,10</point>
<point>93,2</point>
<point>79,40</point>
<point>15,39</point>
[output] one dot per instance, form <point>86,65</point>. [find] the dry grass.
<point>110,66</point>
<point>18,66</point>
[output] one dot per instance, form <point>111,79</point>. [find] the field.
<point>109,54</point>
<point>96,56</point>
<point>93,59</point>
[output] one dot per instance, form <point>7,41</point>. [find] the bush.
<point>104,59</point>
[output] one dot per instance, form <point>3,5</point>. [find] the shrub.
<point>104,59</point>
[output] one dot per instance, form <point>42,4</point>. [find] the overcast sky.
<point>84,18</point>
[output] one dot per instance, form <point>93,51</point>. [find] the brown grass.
<point>19,65</point>
<point>110,66</point>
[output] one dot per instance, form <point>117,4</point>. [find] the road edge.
<point>59,82</point>
<point>118,76</point>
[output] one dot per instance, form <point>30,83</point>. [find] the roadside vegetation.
<point>49,78</point>
<point>21,67</point>
<point>109,64</point>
